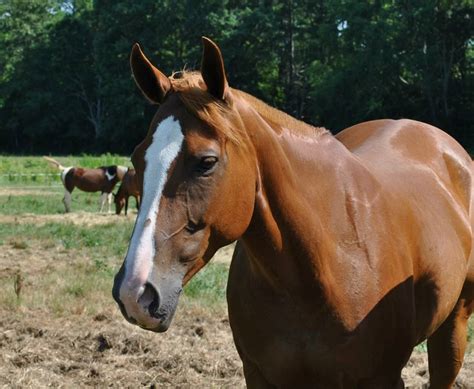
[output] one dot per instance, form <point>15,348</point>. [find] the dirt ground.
<point>41,351</point>
<point>197,351</point>
<point>38,349</point>
<point>78,218</point>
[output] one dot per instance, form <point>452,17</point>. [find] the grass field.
<point>56,274</point>
<point>40,185</point>
<point>58,323</point>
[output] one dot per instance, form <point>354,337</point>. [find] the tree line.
<point>66,86</point>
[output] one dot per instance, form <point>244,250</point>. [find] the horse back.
<point>404,154</point>
<point>101,179</point>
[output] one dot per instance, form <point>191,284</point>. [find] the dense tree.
<point>65,83</point>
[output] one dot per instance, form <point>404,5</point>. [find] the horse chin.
<point>161,319</point>
<point>155,324</point>
<point>162,327</point>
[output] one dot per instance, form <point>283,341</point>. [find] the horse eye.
<point>192,227</point>
<point>206,164</point>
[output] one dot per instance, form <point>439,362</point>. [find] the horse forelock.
<point>217,114</point>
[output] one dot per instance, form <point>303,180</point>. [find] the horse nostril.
<point>150,299</point>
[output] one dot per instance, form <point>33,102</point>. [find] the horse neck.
<point>296,171</point>
<point>121,193</point>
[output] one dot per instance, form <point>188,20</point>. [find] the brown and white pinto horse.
<point>128,187</point>
<point>101,179</point>
<point>351,249</point>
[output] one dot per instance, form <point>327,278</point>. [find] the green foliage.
<point>65,83</point>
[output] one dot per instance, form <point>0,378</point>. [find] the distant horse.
<point>128,187</point>
<point>101,179</point>
<point>351,249</point>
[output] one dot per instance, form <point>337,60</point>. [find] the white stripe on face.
<point>163,150</point>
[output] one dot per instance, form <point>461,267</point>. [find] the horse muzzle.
<point>149,306</point>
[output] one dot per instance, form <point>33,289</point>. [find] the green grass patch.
<point>66,288</point>
<point>109,239</point>
<point>209,285</point>
<point>96,253</point>
<point>36,164</point>
<point>24,170</point>
<point>68,268</point>
<point>46,201</point>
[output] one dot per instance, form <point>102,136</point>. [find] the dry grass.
<point>65,331</point>
<point>103,350</point>
<point>77,218</point>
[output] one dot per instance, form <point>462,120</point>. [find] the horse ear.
<point>154,84</point>
<point>212,69</point>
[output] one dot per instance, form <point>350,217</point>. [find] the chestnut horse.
<point>351,249</point>
<point>101,179</point>
<point>128,187</point>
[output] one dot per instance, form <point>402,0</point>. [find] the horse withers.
<point>351,249</point>
<point>128,187</point>
<point>102,179</point>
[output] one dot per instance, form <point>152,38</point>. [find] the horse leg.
<point>253,378</point>
<point>109,202</point>
<point>103,199</point>
<point>67,200</point>
<point>447,344</point>
<point>126,205</point>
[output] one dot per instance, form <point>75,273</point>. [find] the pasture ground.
<point>60,327</point>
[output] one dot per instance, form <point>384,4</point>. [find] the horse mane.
<point>281,118</point>
<point>193,94</point>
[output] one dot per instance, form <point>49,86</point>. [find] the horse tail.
<point>54,162</point>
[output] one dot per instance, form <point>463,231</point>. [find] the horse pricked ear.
<point>153,83</point>
<point>212,69</point>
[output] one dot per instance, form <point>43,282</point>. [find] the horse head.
<point>198,177</point>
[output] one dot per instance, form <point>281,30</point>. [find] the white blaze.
<point>165,146</point>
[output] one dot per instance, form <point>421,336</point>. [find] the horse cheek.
<point>234,206</point>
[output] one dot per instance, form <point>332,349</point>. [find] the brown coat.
<point>128,187</point>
